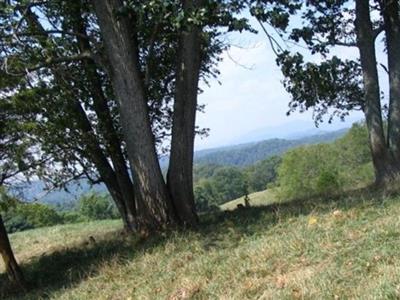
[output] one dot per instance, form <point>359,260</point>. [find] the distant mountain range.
<point>249,153</point>
<point>235,155</point>
<point>291,130</point>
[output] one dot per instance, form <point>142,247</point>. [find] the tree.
<point>12,269</point>
<point>68,106</point>
<point>13,161</point>
<point>262,173</point>
<point>337,86</point>
<point>308,171</point>
<point>120,38</point>
<point>18,159</point>
<point>180,171</point>
<point>95,68</point>
<point>96,207</point>
<point>72,85</point>
<point>160,204</point>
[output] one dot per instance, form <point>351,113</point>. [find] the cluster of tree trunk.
<point>146,202</point>
<point>157,204</point>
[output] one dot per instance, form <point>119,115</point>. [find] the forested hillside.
<point>302,171</point>
<point>235,155</point>
<point>247,154</point>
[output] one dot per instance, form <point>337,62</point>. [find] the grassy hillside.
<point>317,249</point>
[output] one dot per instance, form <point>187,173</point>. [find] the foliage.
<point>309,170</point>
<point>71,217</point>
<point>226,184</point>
<point>331,87</point>
<point>326,169</point>
<point>215,184</point>
<point>21,216</point>
<point>97,207</point>
<point>262,173</point>
<point>248,154</point>
<point>39,215</point>
<point>334,86</point>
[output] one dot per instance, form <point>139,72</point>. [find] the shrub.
<point>39,215</point>
<point>14,223</point>
<point>70,217</point>
<point>326,169</point>
<point>308,171</point>
<point>97,207</point>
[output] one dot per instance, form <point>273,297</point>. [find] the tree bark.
<point>113,143</point>
<point>107,174</point>
<point>154,206</point>
<point>12,268</point>
<point>122,194</point>
<point>381,157</point>
<point>391,10</point>
<point>180,171</point>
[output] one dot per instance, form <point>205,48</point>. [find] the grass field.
<point>342,248</point>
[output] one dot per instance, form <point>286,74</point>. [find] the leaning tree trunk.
<point>107,126</point>
<point>180,172</point>
<point>154,207</point>
<point>391,17</point>
<point>12,269</point>
<point>107,173</point>
<point>381,157</point>
<point>122,194</point>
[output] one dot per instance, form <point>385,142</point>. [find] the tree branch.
<point>377,31</point>
<point>48,63</point>
<point>271,39</point>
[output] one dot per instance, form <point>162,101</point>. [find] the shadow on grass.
<point>255,219</point>
<point>68,267</point>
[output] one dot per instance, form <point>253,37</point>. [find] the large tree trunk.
<point>381,157</point>
<point>120,190</point>
<point>12,269</point>
<point>110,133</point>
<point>180,172</point>
<point>391,17</point>
<point>107,174</point>
<point>154,207</point>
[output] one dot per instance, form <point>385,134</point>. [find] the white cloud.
<point>251,95</point>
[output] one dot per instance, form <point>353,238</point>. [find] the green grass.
<point>342,248</point>
<point>256,199</point>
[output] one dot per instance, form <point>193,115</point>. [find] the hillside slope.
<point>247,154</point>
<point>318,249</point>
<point>261,198</point>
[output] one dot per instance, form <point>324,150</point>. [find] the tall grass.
<point>342,248</point>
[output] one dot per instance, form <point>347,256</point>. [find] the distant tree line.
<point>311,170</point>
<point>217,184</point>
<point>248,154</point>
<point>19,216</point>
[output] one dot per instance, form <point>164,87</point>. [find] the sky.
<point>251,96</point>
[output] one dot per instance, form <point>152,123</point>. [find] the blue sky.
<point>251,96</point>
